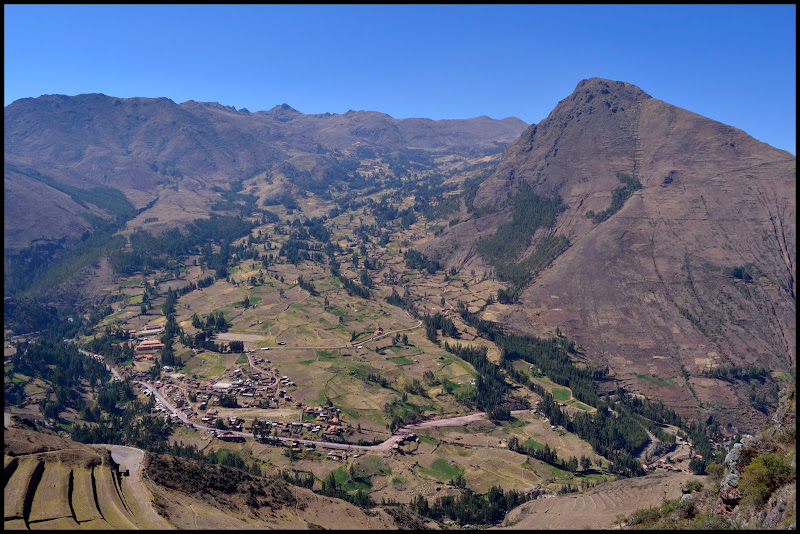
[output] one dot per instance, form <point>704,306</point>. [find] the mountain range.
<point>142,145</point>
<point>670,250</point>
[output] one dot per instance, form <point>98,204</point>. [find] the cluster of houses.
<point>327,424</point>
<point>252,385</point>
<point>169,415</point>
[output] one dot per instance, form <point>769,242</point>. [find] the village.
<point>199,401</point>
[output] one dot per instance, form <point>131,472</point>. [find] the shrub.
<point>715,472</point>
<point>694,485</point>
<point>685,509</point>
<point>763,476</point>
<point>645,516</point>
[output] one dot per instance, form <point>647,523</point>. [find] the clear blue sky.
<point>735,64</point>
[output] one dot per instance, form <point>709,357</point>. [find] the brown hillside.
<point>650,290</point>
<point>155,150</point>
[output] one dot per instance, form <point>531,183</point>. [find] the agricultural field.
<point>336,322</point>
<point>599,507</point>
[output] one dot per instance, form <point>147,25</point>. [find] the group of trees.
<point>149,252</point>
<point>436,322</point>
<point>491,391</point>
<point>215,322</point>
<point>618,197</point>
<point>417,260</point>
<point>113,344</point>
<point>530,212</point>
<point>549,456</point>
<point>616,430</point>
<point>470,508</point>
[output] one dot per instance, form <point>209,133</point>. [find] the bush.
<point>694,485</point>
<point>645,516</point>
<point>697,466</point>
<point>715,472</point>
<point>685,508</point>
<point>762,477</point>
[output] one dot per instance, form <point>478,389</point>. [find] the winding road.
<point>401,432</point>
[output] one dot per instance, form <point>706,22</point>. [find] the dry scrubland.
<point>597,508</point>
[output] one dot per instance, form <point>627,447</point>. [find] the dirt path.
<point>131,459</point>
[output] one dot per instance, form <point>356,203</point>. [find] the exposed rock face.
<point>649,290</point>
<point>781,508</point>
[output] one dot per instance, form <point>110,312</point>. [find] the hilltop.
<point>670,250</point>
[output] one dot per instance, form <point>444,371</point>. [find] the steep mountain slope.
<point>151,148</point>
<point>693,270</point>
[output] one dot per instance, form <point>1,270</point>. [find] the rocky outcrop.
<point>781,509</point>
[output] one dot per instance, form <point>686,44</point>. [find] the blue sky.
<point>735,64</point>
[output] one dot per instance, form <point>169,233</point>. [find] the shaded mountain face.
<point>150,149</point>
<point>695,269</point>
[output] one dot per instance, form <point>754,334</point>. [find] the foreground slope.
<point>55,483</point>
<point>696,269</point>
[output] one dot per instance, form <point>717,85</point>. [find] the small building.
<point>148,346</point>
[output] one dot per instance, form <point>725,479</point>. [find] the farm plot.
<point>83,496</point>
<point>17,486</point>
<point>209,365</point>
<point>599,507</point>
<point>51,500</point>
<point>111,506</point>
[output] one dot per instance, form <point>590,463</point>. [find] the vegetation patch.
<point>533,444</point>
<point>656,380</point>
<point>441,469</point>
<point>618,198</point>
<point>561,394</point>
<point>328,355</point>
<point>130,282</point>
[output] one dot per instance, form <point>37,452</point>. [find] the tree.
<point>697,466</point>
<point>586,462</point>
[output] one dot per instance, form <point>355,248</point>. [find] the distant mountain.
<point>141,146</point>
<point>681,248</point>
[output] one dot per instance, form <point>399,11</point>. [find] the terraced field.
<point>599,507</point>
<point>71,488</point>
